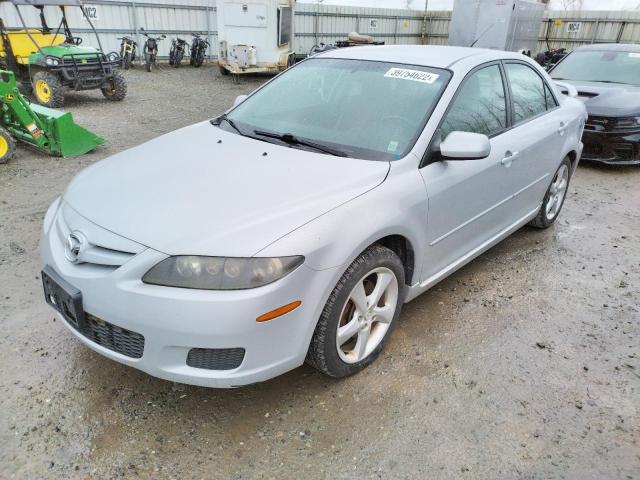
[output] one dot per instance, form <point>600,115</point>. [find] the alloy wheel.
<point>557,191</point>
<point>367,315</point>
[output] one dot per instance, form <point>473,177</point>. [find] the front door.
<point>469,199</point>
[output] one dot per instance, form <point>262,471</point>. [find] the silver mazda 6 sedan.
<point>294,227</point>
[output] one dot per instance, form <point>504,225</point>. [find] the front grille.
<point>597,124</point>
<point>117,339</point>
<point>215,358</point>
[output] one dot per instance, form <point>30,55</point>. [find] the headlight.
<point>218,273</point>
<point>51,61</point>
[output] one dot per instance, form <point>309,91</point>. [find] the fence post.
<point>595,31</point>
<point>395,31</point>
<point>209,31</point>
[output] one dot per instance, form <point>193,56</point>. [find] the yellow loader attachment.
<point>49,130</point>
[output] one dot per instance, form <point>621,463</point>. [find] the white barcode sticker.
<point>415,75</point>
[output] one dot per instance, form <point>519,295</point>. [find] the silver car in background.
<point>294,227</point>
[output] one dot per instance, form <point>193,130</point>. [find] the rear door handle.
<point>509,157</point>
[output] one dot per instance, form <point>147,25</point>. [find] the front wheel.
<point>148,62</point>
<point>116,88</point>
<point>48,89</point>
<point>359,314</point>
<point>199,60</point>
<point>126,61</point>
<point>177,58</point>
<point>554,198</point>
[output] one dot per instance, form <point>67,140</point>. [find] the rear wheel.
<point>223,71</point>
<point>7,146</point>
<point>48,89</point>
<point>554,198</point>
<point>116,88</point>
<point>359,314</point>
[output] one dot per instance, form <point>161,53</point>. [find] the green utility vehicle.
<point>50,60</point>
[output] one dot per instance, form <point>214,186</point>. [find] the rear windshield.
<point>600,66</point>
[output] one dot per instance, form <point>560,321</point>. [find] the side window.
<point>527,92</point>
<point>551,101</point>
<point>480,106</point>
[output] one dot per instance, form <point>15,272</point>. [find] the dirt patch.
<point>524,364</point>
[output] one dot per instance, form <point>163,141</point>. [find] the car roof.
<point>438,56</point>
<point>617,47</point>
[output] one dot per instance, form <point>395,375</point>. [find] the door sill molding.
<point>419,288</point>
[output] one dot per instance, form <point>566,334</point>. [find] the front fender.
<point>398,206</point>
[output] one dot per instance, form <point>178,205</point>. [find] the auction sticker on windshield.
<point>415,75</point>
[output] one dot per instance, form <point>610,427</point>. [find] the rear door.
<point>540,126</point>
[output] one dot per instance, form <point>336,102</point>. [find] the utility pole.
<point>424,23</point>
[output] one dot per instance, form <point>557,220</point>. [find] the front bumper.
<point>174,321</point>
<point>612,148</point>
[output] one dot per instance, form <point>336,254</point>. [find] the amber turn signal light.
<point>278,312</point>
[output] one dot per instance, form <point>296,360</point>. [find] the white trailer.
<point>255,35</point>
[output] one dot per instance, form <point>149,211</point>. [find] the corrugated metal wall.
<point>317,23</point>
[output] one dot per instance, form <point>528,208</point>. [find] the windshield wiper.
<point>223,118</point>
<point>611,81</point>
<point>293,140</point>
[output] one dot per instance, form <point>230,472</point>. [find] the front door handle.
<point>509,157</point>
<point>562,128</point>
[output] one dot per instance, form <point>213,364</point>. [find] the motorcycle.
<point>198,50</point>
<point>151,49</point>
<point>128,50</point>
<point>178,48</point>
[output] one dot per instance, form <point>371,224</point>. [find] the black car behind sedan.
<point>607,78</point>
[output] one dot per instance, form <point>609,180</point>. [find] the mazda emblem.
<point>75,244</point>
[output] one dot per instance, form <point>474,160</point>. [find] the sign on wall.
<point>92,13</point>
<point>573,27</point>
<point>373,23</point>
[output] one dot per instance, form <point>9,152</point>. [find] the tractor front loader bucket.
<point>67,138</point>
<point>51,131</point>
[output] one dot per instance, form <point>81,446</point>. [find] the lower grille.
<point>215,358</point>
<point>117,339</point>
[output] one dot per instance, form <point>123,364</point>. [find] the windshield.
<point>600,66</point>
<point>363,109</point>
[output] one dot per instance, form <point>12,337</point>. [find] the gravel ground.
<point>524,364</point>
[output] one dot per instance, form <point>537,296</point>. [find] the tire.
<point>126,61</point>
<point>199,60</point>
<point>117,89</point>
<point>48,89</point>
<point>554,196</point>
<point>7,146</point>
<point>148,63</point>
<point>223,71</point>
<point>177,58</point>
<point>372,266</point>
<point>172,57</point>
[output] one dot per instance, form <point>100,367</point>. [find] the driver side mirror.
<point>239,99</point>
<point>465,146</point>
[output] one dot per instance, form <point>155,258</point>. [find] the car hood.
<point>608,99</point>
<point>203,191</point>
